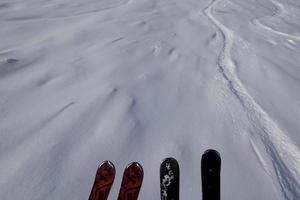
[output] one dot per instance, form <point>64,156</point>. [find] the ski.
<point>210,171</point>
<point>131,182</point>
<point>103,181</point>
<point>169,179</point>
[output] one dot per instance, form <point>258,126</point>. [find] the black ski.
<point>210,171</point>
<point>169,179</point>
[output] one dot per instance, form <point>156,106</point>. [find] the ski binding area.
<point>83,81</point>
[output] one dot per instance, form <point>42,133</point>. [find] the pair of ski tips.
<point>169,179</point>
<point>130,186</point>
<point>210,171</point>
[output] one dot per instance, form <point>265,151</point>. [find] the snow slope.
<point>125,80</point>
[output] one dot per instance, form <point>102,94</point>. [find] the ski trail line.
<point>267,28</point>
<point>281,12</point>
<point>283,154</point>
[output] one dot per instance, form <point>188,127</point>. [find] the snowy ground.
<point>82,81</point>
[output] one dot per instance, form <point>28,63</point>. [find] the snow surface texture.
<point>82,81</point>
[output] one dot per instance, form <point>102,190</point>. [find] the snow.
<point>141,80</point>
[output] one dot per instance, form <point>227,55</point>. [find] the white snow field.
<point>83,81</point>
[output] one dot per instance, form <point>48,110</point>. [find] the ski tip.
<point>135,165</point>
<point>169,179</point>
<point>107,164</point>
<point>104,179</point>
<point>212,152</point>
<point>131,182</point>
<point>106,170</point>
<point>211,156</point>
<point>135,170</point>
<point>169,159</point>
<point>169,167</point>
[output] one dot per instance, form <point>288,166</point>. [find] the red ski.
<point>131,182</point>
<point>104,179</point>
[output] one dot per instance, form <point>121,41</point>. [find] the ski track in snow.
<point>265,27</point>
<point>283,154</point>
<point>279,11</point>
<point>98,117</point>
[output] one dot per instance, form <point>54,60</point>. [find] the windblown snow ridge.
<point>283,154</point>
<point>63,10</point>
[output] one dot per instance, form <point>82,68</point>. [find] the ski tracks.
<point>280,11</point>
<point>267,28</point>
<point>283,154</point>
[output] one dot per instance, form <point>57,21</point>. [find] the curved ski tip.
<point>211,155</point>
<point>135,166</point>
<point>169,162</point>
<point>169,159</point>
<point>106,164</point>
<point>135,171</point>
<point>212,152</point>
